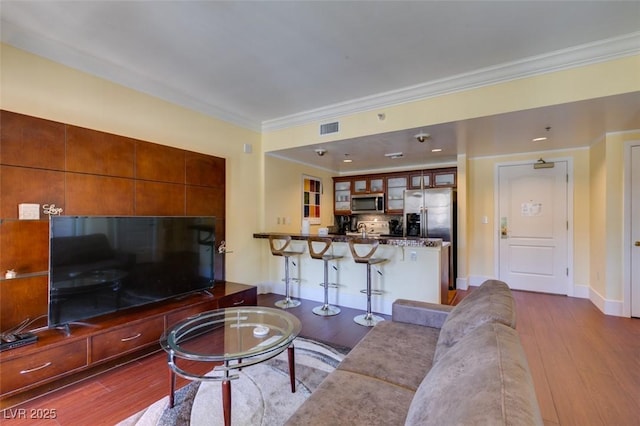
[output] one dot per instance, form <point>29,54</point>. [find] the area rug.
<point>260,396</point>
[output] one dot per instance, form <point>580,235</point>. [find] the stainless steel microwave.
<point>369,203</point>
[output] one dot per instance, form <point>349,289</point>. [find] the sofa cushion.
<point>483,380</point>
<point>349,398</point>
<point>491,302</point>
<point>394,352</point>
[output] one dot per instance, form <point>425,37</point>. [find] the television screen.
<point>101,264</point>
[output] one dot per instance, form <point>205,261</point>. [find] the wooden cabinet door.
<point>42,366</point>
<point>396,186</point>
<point>444,178</point>
<point>126,339</point>
<point>342,196</point>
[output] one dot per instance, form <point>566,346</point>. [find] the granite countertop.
<point>388,240</point>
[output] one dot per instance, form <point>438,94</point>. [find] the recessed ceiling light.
<point>394,155</point>
<point>543,138</point>
<point>436,150</point>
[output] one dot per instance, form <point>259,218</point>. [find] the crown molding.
<point>586,54</point>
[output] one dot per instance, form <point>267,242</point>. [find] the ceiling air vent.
<point>328,128</point>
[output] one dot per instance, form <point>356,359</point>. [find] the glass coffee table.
<point>233,337</point>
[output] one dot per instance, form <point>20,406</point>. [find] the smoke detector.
<point>422,136</point>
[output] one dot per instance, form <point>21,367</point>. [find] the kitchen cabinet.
<point>367,185</point>
<point>392,185</point>
<point>342,196</point>
<point>396,186</point>
<point>433,178</point>
<point>444,178</point>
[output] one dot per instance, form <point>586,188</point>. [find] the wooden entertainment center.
<point>89,172</point>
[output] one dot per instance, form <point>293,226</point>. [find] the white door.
<point>533,218</point>
<point>635,231</point>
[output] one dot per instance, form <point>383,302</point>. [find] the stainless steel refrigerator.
<point>430,213</point>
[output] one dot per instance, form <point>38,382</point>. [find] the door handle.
<point>637,244</point>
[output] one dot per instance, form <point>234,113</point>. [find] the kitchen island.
<point>417,268</point>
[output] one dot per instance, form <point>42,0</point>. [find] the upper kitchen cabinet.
<point>367,185</point>
<point>342,196</point>
<point>396,185</point>
<point>433,178</point>
<point>445,178</point>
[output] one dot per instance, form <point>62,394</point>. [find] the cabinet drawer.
<point>244,298</point>
<point>125,339</point>
<point>42,366</point>
<point>175,317</point>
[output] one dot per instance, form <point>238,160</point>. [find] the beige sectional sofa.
<point>433,365</point>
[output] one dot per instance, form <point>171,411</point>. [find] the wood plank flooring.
<point>585,365</point>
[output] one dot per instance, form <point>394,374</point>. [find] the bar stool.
<point>287,302</point>
<point>325,310</point>
<point>367,319</point>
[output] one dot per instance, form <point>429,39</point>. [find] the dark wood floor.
<point>586,367</point>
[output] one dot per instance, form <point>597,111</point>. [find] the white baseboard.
<point>607,306</point>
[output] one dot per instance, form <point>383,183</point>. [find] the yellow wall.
<point>283,183</point>
<point>35,86</point>
<point>613,248</point>
<point>598,223</point>
<point>481,202</point>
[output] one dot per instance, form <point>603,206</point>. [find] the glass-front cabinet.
<point>420,180</point>
<point>395,194</point>
<point>434,178</point>
<point>444,178</point>
<point>342,196</point>
<point>392,185</point>
<point>368,185</point>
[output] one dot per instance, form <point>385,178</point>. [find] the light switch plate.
<point>29,211</point>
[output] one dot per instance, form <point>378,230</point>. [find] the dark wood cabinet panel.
<point>99,195</point>
<point>43,365</point>
<point>205,201</point>
<point>26,185</point>
<point>204,170</point>
<point>248,297</point>
<point>159,199</point>
<point>159,163</point>
<point>90,151</point>
<point>31,292</point>
<point>31,142</point>
<point>24,246</point>
<point>126,339</point>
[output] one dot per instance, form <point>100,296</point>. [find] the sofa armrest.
<point>420,313</point>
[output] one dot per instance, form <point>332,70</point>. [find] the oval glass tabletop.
<point>232,334</point>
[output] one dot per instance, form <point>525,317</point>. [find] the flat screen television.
<point>103,264</point>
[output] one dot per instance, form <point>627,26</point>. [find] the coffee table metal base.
<point>226,384</point>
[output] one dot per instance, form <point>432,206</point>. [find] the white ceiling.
<point>270,63</point>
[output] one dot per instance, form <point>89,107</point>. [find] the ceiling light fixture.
<point>422,136</point>
<point>394,155</point>
<point>436,150</point>
<point>320,151</point>
<point>347,159</point>
<point>542,138</point>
